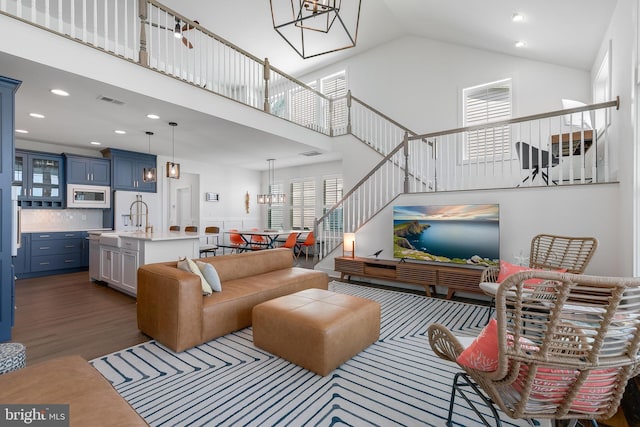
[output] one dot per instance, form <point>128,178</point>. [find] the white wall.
<point>524,212</point>
<point>418,82</point>
<point>623,155</point>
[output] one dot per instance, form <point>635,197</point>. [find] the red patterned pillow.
<point>482,354</point>
<point>507,269</point>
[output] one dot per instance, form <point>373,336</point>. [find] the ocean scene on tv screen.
<point>460,234</point>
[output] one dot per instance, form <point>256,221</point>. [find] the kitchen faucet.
<point>138,203</point>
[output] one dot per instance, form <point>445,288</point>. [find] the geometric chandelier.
<point>316,27</point>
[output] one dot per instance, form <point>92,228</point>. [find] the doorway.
<point>184,204</point>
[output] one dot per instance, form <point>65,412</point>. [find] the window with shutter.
<point>304,106</point>
<point>275,214</point>
<point>335,86</point>
<point>484,104</point>
<point>303,204</point>
<point>333,194</point>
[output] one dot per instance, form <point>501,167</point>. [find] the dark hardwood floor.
<point>69,314</point>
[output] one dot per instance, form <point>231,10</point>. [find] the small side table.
<point>12,357</point>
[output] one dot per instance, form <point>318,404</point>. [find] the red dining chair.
<point>236,241</point>
<point>309,242</point>
<point>292,243</point>
<point>258,242</point>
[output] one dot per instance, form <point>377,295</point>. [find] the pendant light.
<point>271,198</point>
<point>173,168</point>
<point>149,174</point>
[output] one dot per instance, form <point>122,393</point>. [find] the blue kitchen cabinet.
<point>22,261</point>
<point>54,253</point>
<point>127,168</point>
<point>87,170</point>
<point>40,178</point>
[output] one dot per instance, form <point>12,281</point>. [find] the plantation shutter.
<point>275,216</point>
<point>485,104</point>
<point>335,86</point>
<point>332,194</point>
<point>304,106</point>
<point>303,204</point>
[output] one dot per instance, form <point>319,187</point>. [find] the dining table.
<point>267,241</point>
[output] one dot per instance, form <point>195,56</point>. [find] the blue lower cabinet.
<point>22,262</point>
<point>53,253</point>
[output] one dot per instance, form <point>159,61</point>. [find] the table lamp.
<point>349,244</point>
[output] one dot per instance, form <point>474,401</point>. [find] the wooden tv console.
<point>463,278</point>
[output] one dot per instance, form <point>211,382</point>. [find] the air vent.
<point>311,153</point>
<point>111,100</point>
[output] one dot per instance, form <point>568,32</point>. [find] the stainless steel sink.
<point>110,239</point>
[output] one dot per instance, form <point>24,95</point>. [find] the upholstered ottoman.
<point>316,329</point>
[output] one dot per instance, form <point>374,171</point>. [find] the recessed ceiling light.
<point>517,17</point>
<point>153,116</point>
<point>37,115</point>
<point>59,92</point>
<point>520,43</point>
<point>95,143</point>
<point>21,131</point>
<point>120,132</point>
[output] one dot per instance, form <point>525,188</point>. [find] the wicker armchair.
<point>548,252</point>
<point>566,347</point>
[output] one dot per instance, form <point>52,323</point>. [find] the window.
<point>335,86</point>
<point>303,204</point>
<point>304,106</point>
<point>332,194</point>
<point>275,214</point>
<point>484,104</point>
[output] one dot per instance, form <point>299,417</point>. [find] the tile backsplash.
<point>35,220</point>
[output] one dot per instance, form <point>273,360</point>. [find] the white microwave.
<point>88,196</point>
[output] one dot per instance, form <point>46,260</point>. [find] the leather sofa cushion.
<point>70,380</point>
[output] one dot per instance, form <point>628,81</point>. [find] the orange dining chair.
<point>236,241</point>
<point>174,228</point>
<point>258,242</point>
<point>309,242</point>
<point>191,229</point>
<point>291,243</point>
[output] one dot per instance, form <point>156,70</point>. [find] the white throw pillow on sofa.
<point>209,272</point>
<point>187,264</point>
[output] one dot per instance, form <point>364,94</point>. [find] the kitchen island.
<point>114,257</point>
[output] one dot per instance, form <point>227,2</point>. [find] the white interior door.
<point>183,207</point>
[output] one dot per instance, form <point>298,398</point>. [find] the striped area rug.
<point>397,381</point>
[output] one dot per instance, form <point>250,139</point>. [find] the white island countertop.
<point>154,237</point>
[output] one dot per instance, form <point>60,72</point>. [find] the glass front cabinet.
<point>39,179</point>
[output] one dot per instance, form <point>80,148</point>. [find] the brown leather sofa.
<point>73,381</point>
<point>173,311</point>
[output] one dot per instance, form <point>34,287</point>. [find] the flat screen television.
<point>459,234</point>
